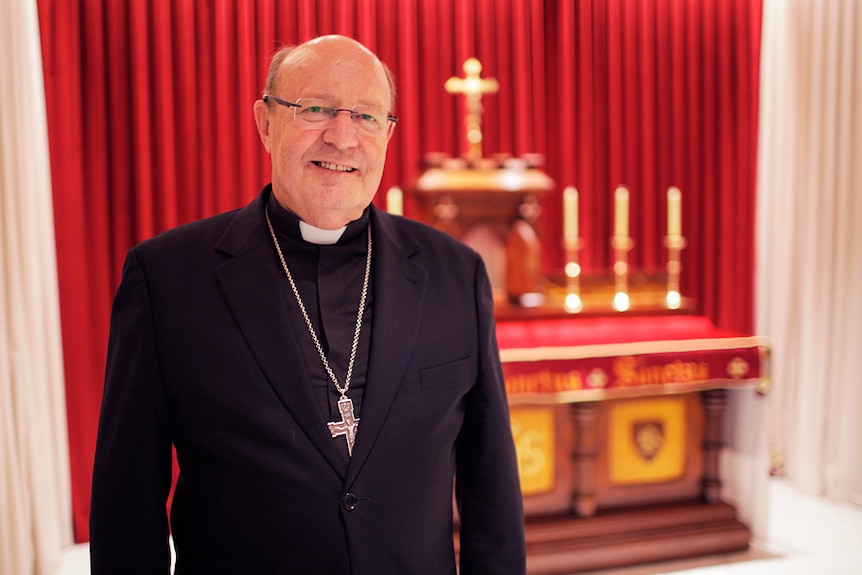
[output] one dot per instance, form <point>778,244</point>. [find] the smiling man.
<point>327,373</point>
<point>327,165</point>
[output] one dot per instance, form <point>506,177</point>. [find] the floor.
<point>807,535</point>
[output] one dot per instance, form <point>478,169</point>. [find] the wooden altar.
<point>618,425</point>
<point>617,401</point>
<point>617,416</point>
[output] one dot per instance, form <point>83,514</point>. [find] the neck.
<point>332,220</point>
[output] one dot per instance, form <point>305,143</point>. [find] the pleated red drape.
<point>654,94</point>
<point>151,126</point>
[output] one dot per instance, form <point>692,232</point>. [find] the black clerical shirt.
<point>329,279</point>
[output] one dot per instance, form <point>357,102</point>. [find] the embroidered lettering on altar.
<point>544,381</point>
<point>629,373</point>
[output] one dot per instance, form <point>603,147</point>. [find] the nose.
<point>341,131</point>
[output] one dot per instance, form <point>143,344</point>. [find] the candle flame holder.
<point>573,303</point>
<point>621,246</point>
<point>675,244</point>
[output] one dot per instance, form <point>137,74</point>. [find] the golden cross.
<point>473,87</point>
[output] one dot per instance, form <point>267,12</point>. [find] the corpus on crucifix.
<point>473,87</point>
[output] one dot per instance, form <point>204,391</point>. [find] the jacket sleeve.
<point>132,470</point>
<point>488,490</point>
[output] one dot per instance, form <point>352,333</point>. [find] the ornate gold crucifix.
<point>473,87</point>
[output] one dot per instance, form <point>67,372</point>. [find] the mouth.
<point>334,167</point>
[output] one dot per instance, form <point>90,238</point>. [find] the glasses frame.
<point>287,104</point>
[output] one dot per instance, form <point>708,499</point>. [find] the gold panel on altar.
<point>543,442</point>
<point>647,441</point>
<point>534,429</point>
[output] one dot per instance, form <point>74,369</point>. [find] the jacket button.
<point>348,502</point>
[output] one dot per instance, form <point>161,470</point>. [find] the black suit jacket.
<point>202,357</point>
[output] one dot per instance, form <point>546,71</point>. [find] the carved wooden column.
<point>584,454</point>
<point>714,401</point>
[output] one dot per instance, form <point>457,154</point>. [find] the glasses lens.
<point>313,111</point>
<point>369,119</point>
<point>366,118</point>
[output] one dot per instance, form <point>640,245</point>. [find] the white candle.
<point>621,212</point>
<point>570,216</point>
<point>674,212</point>
<point>395,201</point>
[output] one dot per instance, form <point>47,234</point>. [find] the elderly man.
<point>327,373</point>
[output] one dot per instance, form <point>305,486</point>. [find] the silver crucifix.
<point>348,424</point>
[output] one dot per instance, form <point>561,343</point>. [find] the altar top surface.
<point>621,328</point>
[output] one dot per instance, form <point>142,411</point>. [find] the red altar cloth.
<point>591,358</point>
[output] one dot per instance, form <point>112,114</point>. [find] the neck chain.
<point>341,389</point>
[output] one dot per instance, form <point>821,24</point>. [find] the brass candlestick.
<point>572,243</point>
<point>621,246</point>
<point>573,302</point>
<point>621,242</point>
<point>674,244</point>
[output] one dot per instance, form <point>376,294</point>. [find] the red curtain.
<point>151,126</point>
<point>653,94</point>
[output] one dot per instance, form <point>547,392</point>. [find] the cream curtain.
<point>809,239</point>
<point>35,500</point>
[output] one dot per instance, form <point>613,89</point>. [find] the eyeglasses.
<point>368,119</point>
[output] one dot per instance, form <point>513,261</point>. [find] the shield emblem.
<point>648,438</point>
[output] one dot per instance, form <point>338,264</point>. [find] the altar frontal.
<point>618,428</point>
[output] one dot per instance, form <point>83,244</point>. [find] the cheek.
<point>288,151</point>
<point>376,156</point>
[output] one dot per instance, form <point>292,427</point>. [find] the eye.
<point>367,118</point>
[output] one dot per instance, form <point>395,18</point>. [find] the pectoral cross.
<point>348,424</point>
<point>473,87</point>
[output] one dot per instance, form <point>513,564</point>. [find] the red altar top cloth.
<point>591,358</point>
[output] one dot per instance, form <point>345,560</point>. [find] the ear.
<point>261,119</point>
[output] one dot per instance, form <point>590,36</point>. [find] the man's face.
<point>326,173</point>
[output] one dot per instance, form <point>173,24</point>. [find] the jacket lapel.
<point>399,290</point>
<point>255,289</point>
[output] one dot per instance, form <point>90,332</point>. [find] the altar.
<point>617,424</point>
<point>617,387</point>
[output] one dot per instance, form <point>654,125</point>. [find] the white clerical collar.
<point>320,236</point>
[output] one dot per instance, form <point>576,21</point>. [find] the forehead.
<point>340,70</point>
